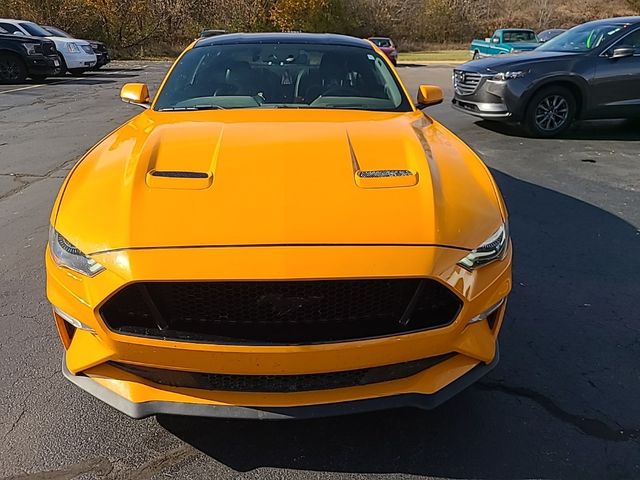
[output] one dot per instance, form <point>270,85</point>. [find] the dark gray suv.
<point>590,71</point>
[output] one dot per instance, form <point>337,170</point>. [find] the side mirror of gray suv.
<point>621,52</point>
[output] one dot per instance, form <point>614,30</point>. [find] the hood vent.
<point>177,174</point>
<point>383,173</point>
<point>386,178</point>
<point>179,180</point>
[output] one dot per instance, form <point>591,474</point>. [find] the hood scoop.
<point>386,178</point>
<point>179,180</point>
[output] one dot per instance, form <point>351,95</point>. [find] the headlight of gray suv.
<point>67,255</point>
<point>502,76</point>
<point>493,248</point>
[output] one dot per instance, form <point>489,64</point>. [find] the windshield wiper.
<point>192,108</point>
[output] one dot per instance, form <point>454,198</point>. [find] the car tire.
<point>12,69</point>
<point>63,66</point>
<point>550,112</point>
<point>476,55</point>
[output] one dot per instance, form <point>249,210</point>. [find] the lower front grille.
<point>282,383</point>
<point>280,312</point>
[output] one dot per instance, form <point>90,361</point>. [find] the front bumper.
<point>43,65</point>
<point>138,410</point>
<point>90,356</point>
<point>80,60</point>
<point>498,100</point>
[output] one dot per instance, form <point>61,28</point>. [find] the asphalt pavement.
<point>564,402</point>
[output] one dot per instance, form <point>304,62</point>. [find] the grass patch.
<point>436,56</point>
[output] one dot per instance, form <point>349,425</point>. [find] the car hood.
<point>277,177</point>
<point>500,63</point>
<point>65,40</point>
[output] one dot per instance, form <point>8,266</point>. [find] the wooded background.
<point>164,27</point>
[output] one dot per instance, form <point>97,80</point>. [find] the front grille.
<point>282,383</point>
<point>87,48</point>
<point>281,312</point>
<point>465,83</point>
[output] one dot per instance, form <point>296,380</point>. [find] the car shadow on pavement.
<point>561,404</point>
<point>622,130</point>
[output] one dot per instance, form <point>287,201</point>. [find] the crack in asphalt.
<point>159,464</point>
<point>36,178</point>
<point>592,427</point>
<point>99,466</point>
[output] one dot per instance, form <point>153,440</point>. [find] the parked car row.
<point>591,71</point>
<point>28,50</point>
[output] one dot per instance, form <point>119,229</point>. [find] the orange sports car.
<point>280,233</point>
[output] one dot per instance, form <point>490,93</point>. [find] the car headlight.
<point>502,76</point>
<point>492,249</point>
<point>31,48</point>
<point>73,47</point>
<point>67,255</point>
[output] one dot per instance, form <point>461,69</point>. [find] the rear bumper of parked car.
<point>122,369</point>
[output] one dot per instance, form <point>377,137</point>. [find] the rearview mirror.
<point>429,95</point>
<point>136,94</point>
<point>622,52</point>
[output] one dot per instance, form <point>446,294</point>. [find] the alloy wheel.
<point>552,113</point>
<point>10,70</point>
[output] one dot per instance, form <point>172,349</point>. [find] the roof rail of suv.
<point>212,33</point>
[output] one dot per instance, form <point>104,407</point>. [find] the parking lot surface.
<point>563,402</point>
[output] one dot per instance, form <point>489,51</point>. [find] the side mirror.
<point>429,95</point>
<point>622,52</point>
<point>495,40</point>
<point>136,94</point>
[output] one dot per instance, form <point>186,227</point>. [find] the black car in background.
<point>99,48</point>
<point>591,71</point>
<point>22,57</point>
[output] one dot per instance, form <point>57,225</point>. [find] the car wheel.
<point>12,69</point>
<point>476,55</point>
<point>550,112</point>
<point>63,65</point>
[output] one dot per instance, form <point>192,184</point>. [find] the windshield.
<point>2,30</point>
<point>281,75</point>
<point>35,30</point>
<point>582,38</point>
<point>56,32</point>
<point>382,42</point>
<point>518,36</point>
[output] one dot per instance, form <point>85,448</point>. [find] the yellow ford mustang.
<point>281,233</point>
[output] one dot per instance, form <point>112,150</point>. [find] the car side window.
<point>632,40</point>
<point>9,27</point>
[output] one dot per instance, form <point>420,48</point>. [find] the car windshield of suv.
<point>382,42</point>
<point>281,75</point>
<point>56,32</point>
<point>518,36</point>
<point>2,30</point>
<point>34,30</point>
<point>582,38</point>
